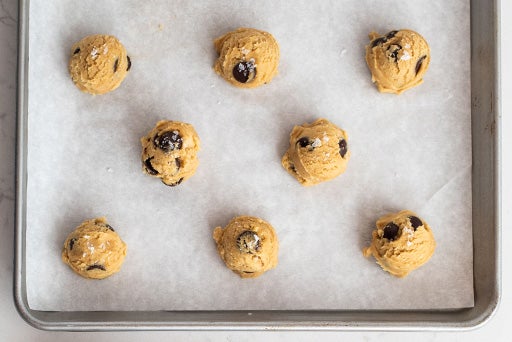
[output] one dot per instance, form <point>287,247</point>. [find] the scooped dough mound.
<point>98,64</point>
<point>94,250</point>
<point>318,152</point>
<point>248,57</point>
<point>397,60</point>
<point>248,246</point>
<point>401,243</point>
<point>169,152</point>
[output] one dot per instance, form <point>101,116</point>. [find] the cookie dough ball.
<point>248,245</point>
<point>318,152</point>
<point>398,60</point>
<point>169,152</point>
<point>98,64</point>
<point>94,250</point>
<point>401,243</point>
<point>248,58</point>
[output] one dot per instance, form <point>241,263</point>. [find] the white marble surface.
<point>13,328</point>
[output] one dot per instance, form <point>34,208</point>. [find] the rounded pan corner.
<point>485,316</point>
<point>21,304</point>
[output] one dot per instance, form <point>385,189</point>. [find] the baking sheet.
<point>409,151</point>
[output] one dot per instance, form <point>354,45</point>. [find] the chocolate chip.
<point>244,72</point>
<point>96,267</point>
<point>343,147</point>
<point>390,231</point>
<point>248,242</point>
<point>391,34</point>
<point>175,183</point>
<point>415,222</point>
<point>383,39</point>
<point>393,50</point>
<point>71,243</point>
<point>129,63</point>
<point>292,167</point>
<point>109,227</point>
<point>378,41</point>
<point>177,161</point>
<point>149,167</point>
<point>303,142</point>
<point>419,63</point>
<point>168,141</point>
<point>77,50</point>
<point>116,64</point>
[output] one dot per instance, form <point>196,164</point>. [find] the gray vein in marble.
<point>7,19</point>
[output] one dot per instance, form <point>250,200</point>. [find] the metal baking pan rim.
<point>485,103</point>
<point>252,320</point>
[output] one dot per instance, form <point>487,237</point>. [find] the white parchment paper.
<point>411,151</point>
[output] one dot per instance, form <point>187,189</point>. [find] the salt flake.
<point>94,53</point>
<point>406,56</point>
<point>316,143</point>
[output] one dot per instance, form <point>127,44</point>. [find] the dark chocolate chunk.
<point>383,39</point>
<point>378,41</point>
<point>391,34</point>
<point>343,147</point>
<point>96,267</point>
<point>149,168</point>
<point>415,222</point>
<point>174,184</point>
<point>244,72</point>
<point>303,142</point>
<point>248,242</point>
<point>71,243</point>
<point>109,227</point>
<point>129,63</point>
<point>419,63</point>
<point>390,231</point>
<point>169,141</point>
<point>177,161</point>
<point>77,50</point>
<point>116,64</point>
<point>393,51</point>
<point>292,167</point>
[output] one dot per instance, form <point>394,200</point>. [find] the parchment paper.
<point>411,151</point>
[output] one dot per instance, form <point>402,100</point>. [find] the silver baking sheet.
<point>79,158</point>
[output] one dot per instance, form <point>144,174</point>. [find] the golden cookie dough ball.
<point>401,243</point>
<point>169,152</point>
<point>397,60</point>
<point>94,250</point>
<point>98,64</point>
<point>318,152</point>
<point>248,246</point>
<point>248,58</point>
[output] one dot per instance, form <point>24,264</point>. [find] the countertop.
<point>14,328</point>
